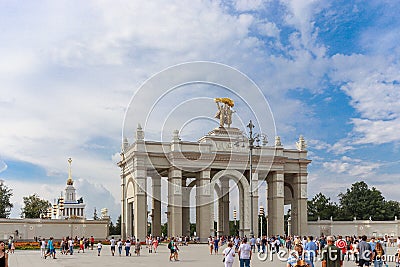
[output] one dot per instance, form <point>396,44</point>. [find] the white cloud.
<point>66,79</point>
<point>353,167</point>
<point>373,85</point>
<point>248,5</point>
<point>269,29</point>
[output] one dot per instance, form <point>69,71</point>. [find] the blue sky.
<point>330,71</point>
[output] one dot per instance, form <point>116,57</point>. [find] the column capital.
<point>204,174</point>
<point>174,173</point>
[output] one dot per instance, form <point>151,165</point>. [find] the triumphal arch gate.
<point>207,166</point>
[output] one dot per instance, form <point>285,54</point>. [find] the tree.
<point>34,206</point>
<point>5,204</point>
<point>322,207</point>
<point>392,209</point>
<point>118,226</point>
<point>361,202</point>
<point>111,228</point>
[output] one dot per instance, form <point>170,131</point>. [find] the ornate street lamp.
<point>61,206</point>
<point>252,138</point>
<point>261,220</point>
<point>234,219</point>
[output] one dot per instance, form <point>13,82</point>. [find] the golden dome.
<point>70,181</point>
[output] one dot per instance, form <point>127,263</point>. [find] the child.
<point>99,246</point>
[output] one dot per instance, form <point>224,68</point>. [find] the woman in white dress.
<point>229,254</point>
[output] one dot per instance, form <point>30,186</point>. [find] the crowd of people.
<point>304,251</point>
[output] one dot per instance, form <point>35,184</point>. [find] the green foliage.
<point>192,229</point>
<point>359,201</point>
<point>164,229</point>
<point>321,206</point>
<point>115,229</point>
<point>234,228</point>
<point>5,204</point>
<point>34,206</point>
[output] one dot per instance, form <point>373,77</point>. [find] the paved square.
<point>192,255</point>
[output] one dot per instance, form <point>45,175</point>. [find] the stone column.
<point>185,208</point>
<point>175,202</point>
<point>204,214</point>
<point>123,208</point>
<point>225,206</point>
<point>128,214</point>
<point>299,205</point>
<point>136,167</point>
<point>276,203</point>
<point>156,203</point>
<point>140,199</point>
<point>255,203</point>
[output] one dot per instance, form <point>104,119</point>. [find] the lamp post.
<point>253,138</point>
<point>261,220</point>
<point>61,207</point>
<point>234,218</point>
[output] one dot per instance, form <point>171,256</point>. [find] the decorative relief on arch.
<point>141,185</point>
<point>279,190</point>
<point>303,191</point>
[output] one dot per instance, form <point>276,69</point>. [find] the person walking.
<point>244,253</point>
<point>365,252</point>
<point>81,246</point>
<point>3,255</point>
<point>91,242</point>
<point>127,247</point>
<point>173,250</point>
<point>71,246</point>
<point>99,247</point>
<point>331,255</point>
<point>42,247</point>
<point>112,244</point>
<point>216,245</point>
<point>138,247</point>
<point>229,254</point>
<point>119,245</point>
<point>378,255</point>
<point>51,250</point>
<point>311,250</point>
<point>211,244</point>
<point>155,245</point>
<point>253,244</point>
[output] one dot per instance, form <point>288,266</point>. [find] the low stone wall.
<point>28,229</point>
<point>355,227</point>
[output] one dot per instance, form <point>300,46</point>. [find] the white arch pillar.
<point>156,205</point>
<point>204,214</point>
<point>174,202</point>
<point>299,204</point>
<point>276,203</point>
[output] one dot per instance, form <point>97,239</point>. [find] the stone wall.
<point>355,227</point>
<point>28,229</point>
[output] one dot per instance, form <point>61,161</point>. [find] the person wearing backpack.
<point>173,249</point>
<point>229,254</point>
